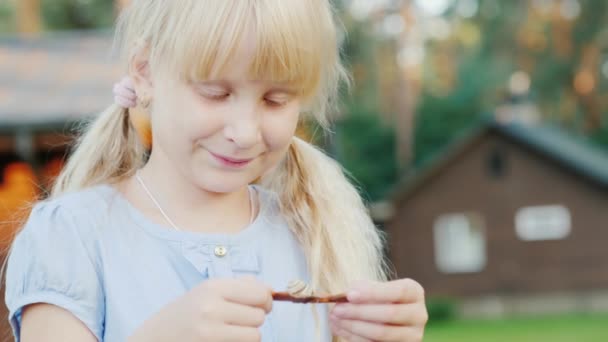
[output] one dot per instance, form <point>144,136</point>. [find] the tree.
<point>78,14</point>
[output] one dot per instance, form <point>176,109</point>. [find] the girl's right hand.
<point>215,310</point>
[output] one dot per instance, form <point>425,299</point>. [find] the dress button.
<point>220,251</point>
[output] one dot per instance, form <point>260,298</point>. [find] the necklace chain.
<point>143,185</point>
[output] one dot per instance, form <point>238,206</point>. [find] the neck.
<point>189,206</point>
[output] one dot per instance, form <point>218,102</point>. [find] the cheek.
<point>185,114</point>
<point>279,130</point>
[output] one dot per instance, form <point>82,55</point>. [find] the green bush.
<point>77,14</point>
<point>366,148</point>
<point>441,309</point>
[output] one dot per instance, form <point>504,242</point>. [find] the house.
<point>512,219</point>
<point>51,80</point>
<point>48,83</point>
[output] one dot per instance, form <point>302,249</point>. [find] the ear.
<point>140,73</point>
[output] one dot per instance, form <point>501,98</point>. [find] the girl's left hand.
<point>381,311</point>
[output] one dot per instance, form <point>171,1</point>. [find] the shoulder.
<point>62,227</point>
<point>55,259</point>
<point>85,201</point>
<point>82,208</point>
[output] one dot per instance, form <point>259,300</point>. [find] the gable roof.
<point>568,151</point>
<point>55,78</point>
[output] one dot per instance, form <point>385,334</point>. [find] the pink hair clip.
<point>124,93</point>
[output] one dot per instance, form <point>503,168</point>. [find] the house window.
<point>460,245</point>
<point>496,162</point>
<point>550,222</point>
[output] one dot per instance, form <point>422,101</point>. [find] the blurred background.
<point>477,131</point>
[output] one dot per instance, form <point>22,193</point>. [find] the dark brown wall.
<point>578,262</point>
<point>7,144</point>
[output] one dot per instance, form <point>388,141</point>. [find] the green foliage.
<point>440,119</point>
<point>64,15</point>
<point>366,148</point>
<point>441,310</point>
<point>484,71</point>
<point>566,328</point>
<point>600,137</point>
<point>77,14</point>
<point>364,145</point>
<point>6,18</point>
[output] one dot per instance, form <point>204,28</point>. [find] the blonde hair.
<point>297,42</point>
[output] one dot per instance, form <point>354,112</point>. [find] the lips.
<point>230,161</point>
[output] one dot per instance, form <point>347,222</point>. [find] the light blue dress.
<point>91,252</point>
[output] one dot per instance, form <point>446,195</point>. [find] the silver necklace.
<point>143,185</point>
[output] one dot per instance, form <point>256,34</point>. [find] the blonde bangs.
<point>295,42</point>
<point>289,47</point>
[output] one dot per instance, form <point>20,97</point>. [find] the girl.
<point>187,242</point>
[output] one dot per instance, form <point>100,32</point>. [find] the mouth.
<point>232,162</point>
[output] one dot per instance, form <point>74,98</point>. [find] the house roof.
<point>55,78</point>
<point>568,151</point>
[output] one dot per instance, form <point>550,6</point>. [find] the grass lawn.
<point>579,328</point>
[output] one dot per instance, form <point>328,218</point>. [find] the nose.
<point>243,128</point>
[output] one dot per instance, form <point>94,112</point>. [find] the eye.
<point>275,102</point>
<point>212,91</point>
<point>277,99</point>
<point>217,96</point>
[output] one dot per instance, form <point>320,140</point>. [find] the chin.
<point>222,184</point>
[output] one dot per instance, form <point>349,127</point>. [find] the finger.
<point>231,333</point>
<point>337,331</point>
<point>241,315</point>
<point>380,332</point>
<point>401,314</point>
<point>246,291</point>
<point>397,291</point>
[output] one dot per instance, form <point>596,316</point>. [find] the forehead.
<point>278,44</point>
<point>240,64</point>
<point>239,70</point>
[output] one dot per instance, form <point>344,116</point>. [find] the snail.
<point>298,288</point>
<point>299,292</point>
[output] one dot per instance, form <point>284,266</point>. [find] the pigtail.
<point>329,218</point>
<point>109,151</point>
